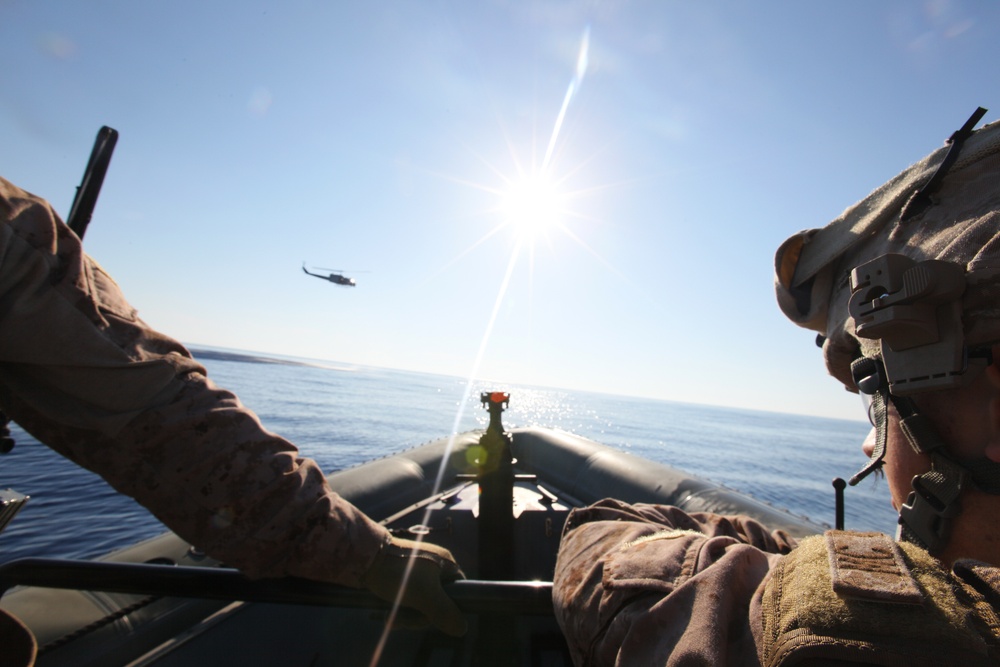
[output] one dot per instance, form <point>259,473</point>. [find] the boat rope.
<point>98,624</point>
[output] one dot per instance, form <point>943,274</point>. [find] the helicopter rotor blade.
<point>340,271</point>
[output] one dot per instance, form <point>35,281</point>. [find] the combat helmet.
<point>904,291</point>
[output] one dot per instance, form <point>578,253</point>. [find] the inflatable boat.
<point>497,499</point>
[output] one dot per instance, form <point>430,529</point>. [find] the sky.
<point>666,149</point>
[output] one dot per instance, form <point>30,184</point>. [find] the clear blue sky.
<point>384,139</point>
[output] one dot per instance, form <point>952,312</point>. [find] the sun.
<point>532,205</point>
<point>534,197</point>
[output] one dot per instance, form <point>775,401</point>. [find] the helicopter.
<point>337,278</point>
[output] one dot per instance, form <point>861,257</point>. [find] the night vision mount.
<point>915,310</point>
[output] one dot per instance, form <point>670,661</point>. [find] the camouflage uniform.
<point>83,374</point>
<point>651,585</point>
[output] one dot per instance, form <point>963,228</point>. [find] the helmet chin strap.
<point>925,517</point>
<point>869,377</point>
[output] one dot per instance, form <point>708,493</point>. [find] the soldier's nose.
<point>868,446</point>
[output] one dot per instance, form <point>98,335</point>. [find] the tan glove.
<point>432,566</point>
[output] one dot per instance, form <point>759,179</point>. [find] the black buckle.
<point>927,517</point>
<point>869,375</point>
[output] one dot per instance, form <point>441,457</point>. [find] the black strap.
<point>925,517</point>
<point>919,432</point>
<point>869,376</point>
<point>921,199</point>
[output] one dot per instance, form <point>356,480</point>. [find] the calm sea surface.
<point>343,416</point>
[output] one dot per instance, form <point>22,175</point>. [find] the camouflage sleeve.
<point>82,373</point>
<point>652,585</point>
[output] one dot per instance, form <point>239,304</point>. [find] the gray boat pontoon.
<point>163,603</point>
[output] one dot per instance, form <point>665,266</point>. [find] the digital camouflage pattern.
<point>652,585</point>
<point>859,598</point>
<point>82,373</point>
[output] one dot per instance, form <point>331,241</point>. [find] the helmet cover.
<point>960,225</point>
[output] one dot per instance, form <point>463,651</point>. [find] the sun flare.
<point>532,205</point>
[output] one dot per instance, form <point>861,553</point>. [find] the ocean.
<point>343,415</point>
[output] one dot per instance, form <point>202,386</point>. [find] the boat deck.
<point>187,612</point>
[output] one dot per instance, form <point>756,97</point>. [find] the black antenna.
<point>839,485</point>
<point>93,178</point>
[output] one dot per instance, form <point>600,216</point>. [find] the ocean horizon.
<point>343,415</point>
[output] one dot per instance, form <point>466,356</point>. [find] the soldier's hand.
<point>432,566</point>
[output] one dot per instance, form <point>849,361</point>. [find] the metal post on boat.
<point>495,647</point>
<point>838,485</point>
<point>496,485</point>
